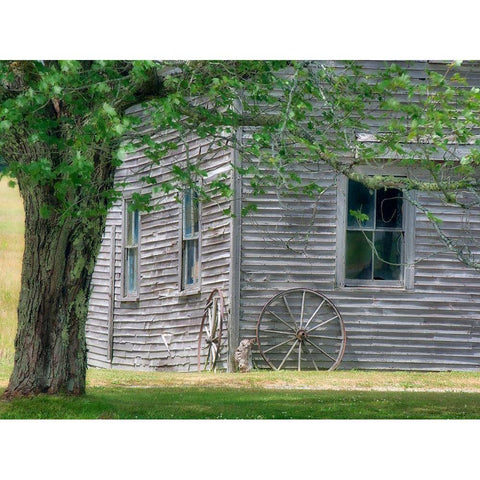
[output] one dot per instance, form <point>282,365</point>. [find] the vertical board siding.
<point>161,330</point>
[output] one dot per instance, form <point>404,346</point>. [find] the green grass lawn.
<point>259,395</point>
<point>252,403</point>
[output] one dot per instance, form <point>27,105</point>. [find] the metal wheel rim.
<point>297,335</point>
<point>211,328</point>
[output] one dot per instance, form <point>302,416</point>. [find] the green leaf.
<point>109,110</point>
<point>433,218</point>
<point>359,216</point>
<point>119,128</point>
<point>5,124</point>
<point>252,207</point>
<point>149,180</point>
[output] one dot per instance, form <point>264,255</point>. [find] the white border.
<point>250,29</point>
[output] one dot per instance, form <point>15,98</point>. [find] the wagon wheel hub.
<point>210,340</point>
<point>301,334</point>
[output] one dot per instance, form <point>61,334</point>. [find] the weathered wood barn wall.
<point>432,322</point>
<point>160,329</point>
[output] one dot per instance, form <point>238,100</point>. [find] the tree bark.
<point>60,251</point>
<point>58,263</point>
<point>50,347</point>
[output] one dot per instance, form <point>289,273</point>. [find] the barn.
<point>180,286</point>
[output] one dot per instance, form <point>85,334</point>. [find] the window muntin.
<point>131,251</point>
<point>374,246</point>
<point>190,263</point>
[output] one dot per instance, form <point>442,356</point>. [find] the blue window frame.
<point>131,251</point>
<point>190,254</point>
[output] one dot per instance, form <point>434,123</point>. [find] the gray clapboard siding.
<point>288,242</point>
<point>163,315</point>
<point>430,327</point>
<point>433,326</point>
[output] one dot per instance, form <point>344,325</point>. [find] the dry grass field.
<point>11,251</point>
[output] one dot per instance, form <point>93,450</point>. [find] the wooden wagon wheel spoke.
<point>207,360</point>
<point>313,322</point>
<point>312,357</point>
<point>214,316</point>
<point>324,336</point>
<point>211,329</point>
<point>314,313</point>
<point>281,332</point>
<point>303,308</point>
<point>287,355</point>
<point>299,355</point>
<point>324,323</point>
<point>281,320</point>
<point>278,345</point>
<point>320,350</point>
<point>207,331</point>
<point>289,311</point>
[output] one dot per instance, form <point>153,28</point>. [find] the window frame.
<point>406,281</point>
<point>126,295</point>
<point>196,287</point>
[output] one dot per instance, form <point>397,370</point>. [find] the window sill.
<point>190,292</point>
<point>130,300</point>
<point>374,288</point>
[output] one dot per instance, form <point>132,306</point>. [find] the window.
<point>131,235</point>
<point>375,243</point>
<point>190,251</point>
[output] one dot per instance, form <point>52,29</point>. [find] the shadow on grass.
<point>224,403</point>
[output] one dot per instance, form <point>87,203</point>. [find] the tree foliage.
<point>420,117</point>
<point>66,125</point>
<point>296,112</point>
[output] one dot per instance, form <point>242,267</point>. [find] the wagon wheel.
<point>210,337</point>
<point>301,329</point>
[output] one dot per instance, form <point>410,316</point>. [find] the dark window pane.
<point>358,262</point>
<point>187,213</point>
<point>135,225</point>
<point>195,212</point>
<point>190,252</point>
<point>389,208</point>
<point>129,226</point>
<point>132,227</point>
<point>132,269</point>
<point>389,250</point>
<point>190,213</point>
<point>190,263</point>
<point>360,198</point>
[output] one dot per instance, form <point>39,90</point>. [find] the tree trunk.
<point>58,262</point>
<point>63,155</point>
